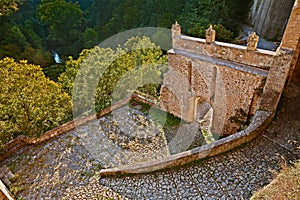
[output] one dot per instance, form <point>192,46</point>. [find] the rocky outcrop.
<point>269,17</point>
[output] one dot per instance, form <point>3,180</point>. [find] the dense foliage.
<point>23,36</point>
<point>114,74</point>
<point>29,102</point>
<point>8,6</point>
<point>223,14</point>
<point>41,27</point>
<point>65,24</point>
<point>35,30</point>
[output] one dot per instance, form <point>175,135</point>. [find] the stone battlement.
<point>226,51</point>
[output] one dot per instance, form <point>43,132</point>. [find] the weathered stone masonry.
<point>235,81</point>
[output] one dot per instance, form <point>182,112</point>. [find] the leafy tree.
<point>127,15</point>
<point>239,9</point>
<point>101,12</point>
<point>67,78</point>
<point>37,56</point>
<point>90,38</point>
<point>22,36</point>
<point>65,23</point>
<point>13,35</point>
<point>54,71</point>
<point>161,13</point>
<point>138,66</point>
<point>14,43</point>
<point>222,34</point>
<point>32,37</point>
<point>130,14</point>
<point>29,102</point>
<point>215,11</point>
<point>198,14</point>
<point>8,6</point>
<point>84,4</point>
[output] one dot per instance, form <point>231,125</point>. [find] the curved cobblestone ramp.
<point>260,120</point>
<point>57,170</point>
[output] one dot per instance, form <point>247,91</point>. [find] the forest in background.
<point>41,27</point>
<point>36,93</point>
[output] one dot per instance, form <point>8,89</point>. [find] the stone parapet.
<point>276,80</point>
<point>5,193</point>
<point>22,141</point>
<point>291,38</point>
<point>236,53</point>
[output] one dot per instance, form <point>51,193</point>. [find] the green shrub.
<point>222,34</point>
<point>30,103</point>
<point>113,74</point>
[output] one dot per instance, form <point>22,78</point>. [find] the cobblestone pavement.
<point>233,175</point>
<point>55,170</point>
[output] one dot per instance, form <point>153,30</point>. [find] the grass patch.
<point>285,186</point>
<point>167,121</point>
<point>159,116</point>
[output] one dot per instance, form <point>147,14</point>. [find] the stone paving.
<point>233,175</point>
<point>57,170</point>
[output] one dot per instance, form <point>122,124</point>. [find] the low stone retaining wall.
<point>260,121</point>
<point>4,192</point>
<point>23,141</point>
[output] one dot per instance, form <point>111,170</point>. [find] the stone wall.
<point>291,37</point>
<point>5,193</point>
<point>231,90</point>
<point>233,79</point>
<point>261,59</point>
<point>176,101</point>
<point>283,64</point>
<point>22,141</point>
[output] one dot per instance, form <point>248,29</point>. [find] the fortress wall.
<point>291,37</point>
<point>176,88</point>
<point>235,80</point>
<point>292,33</point>
<point>232,93</point>
<point>283,64</point>
<point>235,97</point>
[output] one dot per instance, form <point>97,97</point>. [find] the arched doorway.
<point>203,113</point>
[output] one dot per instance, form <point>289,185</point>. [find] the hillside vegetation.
<point>41,27</point>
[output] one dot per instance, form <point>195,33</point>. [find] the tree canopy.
<point>23,36</point>
<point>41,27</point>
<point>8,6</point>
<point>65,24</point>
<point>29,102</point>
<point>137,66</point>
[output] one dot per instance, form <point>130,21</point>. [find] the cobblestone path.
<point>236,174</point>
<point>233,175</point>
<point>72,174</point>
